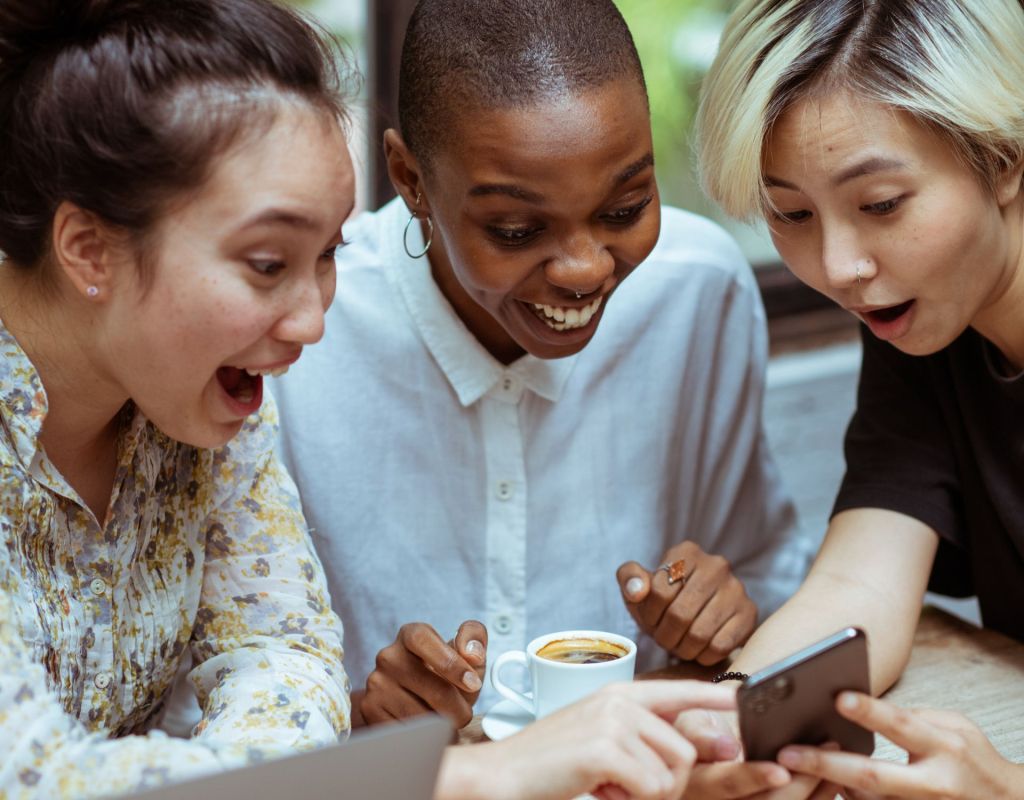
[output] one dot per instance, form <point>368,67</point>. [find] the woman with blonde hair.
<point>883,142</point>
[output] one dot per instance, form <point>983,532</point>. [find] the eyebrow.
<point>509,189</point>
<point>634,169</point>
<point>868,166</point>
<point>277,216</point>
<point>527,196</point>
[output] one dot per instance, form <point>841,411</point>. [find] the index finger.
<point>668,698</point>
<point>441,658</point>
<point>727,780</point>
<point>900,726</point>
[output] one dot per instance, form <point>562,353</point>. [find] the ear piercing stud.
<point>93,291</point>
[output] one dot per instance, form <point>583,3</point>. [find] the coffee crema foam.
<point>582,651</point>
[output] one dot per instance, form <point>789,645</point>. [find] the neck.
<point>59,334</point>
<point>487,330</point>
<point>1000,320</point>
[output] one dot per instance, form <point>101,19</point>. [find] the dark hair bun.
<point>28,27</point>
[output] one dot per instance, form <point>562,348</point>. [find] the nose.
<point>845,258</point>
<point>583,264</point>
<point>303,320</point>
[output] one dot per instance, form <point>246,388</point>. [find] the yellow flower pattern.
<point>204,551</point>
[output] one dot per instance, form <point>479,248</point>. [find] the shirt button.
<point>505,490</point>
<point>508,384</point>
<point>503,623</point>
<point>102,680</point>
<point>98,587</point>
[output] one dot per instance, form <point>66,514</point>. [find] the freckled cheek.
<point>803,261</point>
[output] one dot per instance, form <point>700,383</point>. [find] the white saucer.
<point>504,719</point>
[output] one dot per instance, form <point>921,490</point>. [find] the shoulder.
<point>697,253</point>
<point>696,266</point>
<point>370,239</point>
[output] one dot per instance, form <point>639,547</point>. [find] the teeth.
<point>272,373</point>
<point>563,319</point>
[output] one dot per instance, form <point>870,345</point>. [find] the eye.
<point>266,266</point>
<point>884,207</point>
<point>791,217</point>
<point>629,214</point>
<point>513,237</point>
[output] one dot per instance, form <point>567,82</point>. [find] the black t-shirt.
<point>941,438</point>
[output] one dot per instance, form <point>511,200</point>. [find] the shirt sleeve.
<point>266,644</point>
<point>899,456</point>
<point>269,647</point>
<point>746,514</point>
<point>45,753</point>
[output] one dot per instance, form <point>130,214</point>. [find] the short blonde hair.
<point>954,65</point>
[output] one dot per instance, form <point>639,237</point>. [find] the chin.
<point>205,435</point>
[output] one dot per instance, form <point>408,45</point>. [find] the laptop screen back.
<point>399,760</point>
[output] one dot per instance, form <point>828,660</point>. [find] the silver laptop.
<point>398,761</point>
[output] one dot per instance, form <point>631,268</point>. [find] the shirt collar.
<point>23,404</point>
<point>469,368</point>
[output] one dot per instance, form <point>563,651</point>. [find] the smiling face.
<point>876,212</point>
<point>242,273</point>
<point>535,206</point>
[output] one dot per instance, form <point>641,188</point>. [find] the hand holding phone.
<point>793,701</point>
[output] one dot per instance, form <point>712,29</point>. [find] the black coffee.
<point>582,651</point>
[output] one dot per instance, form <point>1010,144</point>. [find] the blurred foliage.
<point>672,37</point>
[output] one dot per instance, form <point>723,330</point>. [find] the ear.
<point>83,250</point>
<point>405,173</point>
<point>1010,184</point>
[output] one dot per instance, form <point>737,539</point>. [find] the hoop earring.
<point>408,225</point>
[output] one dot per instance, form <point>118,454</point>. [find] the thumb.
<point>471,642</point>
<point>634,582</point>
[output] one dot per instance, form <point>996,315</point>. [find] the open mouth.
<point>560,318</point>
<point>889,314</point>
<point>240,385</point>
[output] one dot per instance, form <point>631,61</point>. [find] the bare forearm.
<point>460,777</point>
<point>871,573</point>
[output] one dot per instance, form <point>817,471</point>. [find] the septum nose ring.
<point>579,295</point>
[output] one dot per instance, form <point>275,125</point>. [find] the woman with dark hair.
<point>169,240</point>
<point>173,180</point>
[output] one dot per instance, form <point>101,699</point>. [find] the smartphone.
<point>793,701</point>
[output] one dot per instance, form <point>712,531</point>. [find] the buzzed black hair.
<point>496,54</point>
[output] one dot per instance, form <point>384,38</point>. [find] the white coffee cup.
<point>558,683</point>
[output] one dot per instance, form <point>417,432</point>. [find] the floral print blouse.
<point>203,551</point>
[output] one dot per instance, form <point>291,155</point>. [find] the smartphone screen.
<point>793,701</point>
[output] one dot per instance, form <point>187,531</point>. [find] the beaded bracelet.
<point>729,676</point>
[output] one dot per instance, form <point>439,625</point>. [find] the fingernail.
<point>848,701</point>
<point>634,586</point>
<point>471,681</point>
<point>726,748</point>
<point>474,648</point>
<point>789,758</point>
<point>778,777</point>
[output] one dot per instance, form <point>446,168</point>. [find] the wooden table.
<point>957,666</point>
<point>954,665</point>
